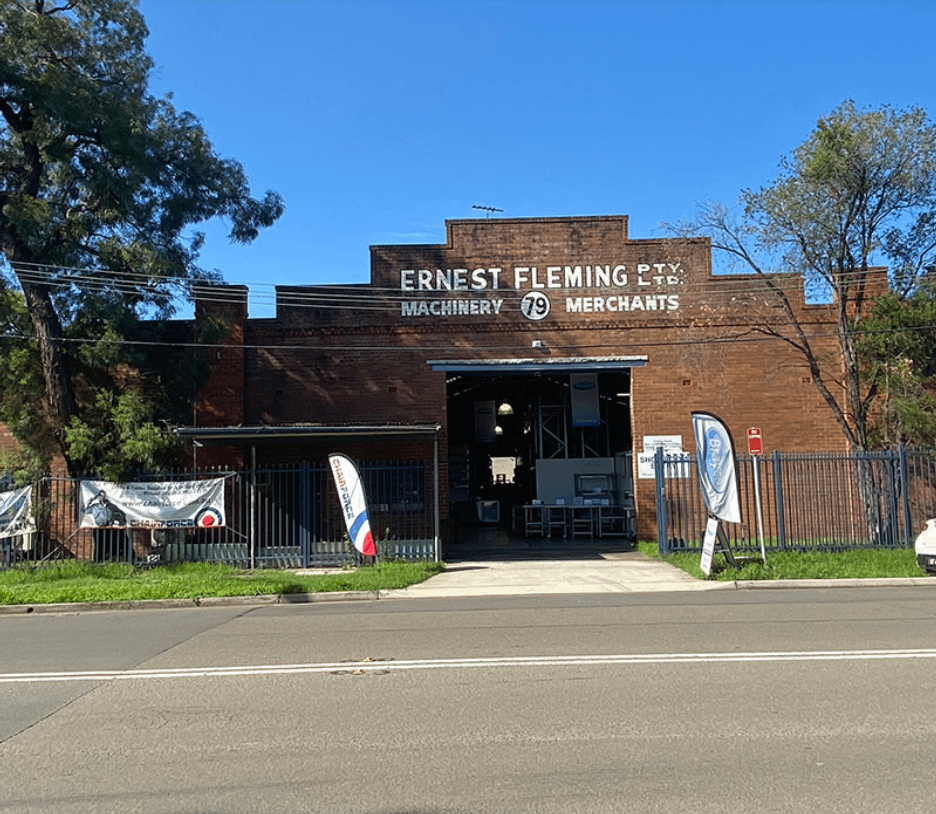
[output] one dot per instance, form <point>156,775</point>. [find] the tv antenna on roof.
<point>487,209</point>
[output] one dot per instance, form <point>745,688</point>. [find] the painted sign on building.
<point>536,291</point>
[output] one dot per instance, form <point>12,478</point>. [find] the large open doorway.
<point>540,457</point>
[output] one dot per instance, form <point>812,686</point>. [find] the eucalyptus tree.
<point>860,192</point>
<point>898,344</point>
<point>102,185</point>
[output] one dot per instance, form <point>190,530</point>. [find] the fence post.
<point>778,497</point>
<point>660,474</point>
<point>305,501</point>
<point>436,497</point>
<point>905,497</point>
<point>252,509</point>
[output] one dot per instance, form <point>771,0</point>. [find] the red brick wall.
<point>348,354</point>
<point>7,442</point>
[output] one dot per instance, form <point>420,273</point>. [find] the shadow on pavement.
<point>487,544</point>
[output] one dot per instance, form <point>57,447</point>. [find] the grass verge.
<point>87,582</point>
<point>863,564</point>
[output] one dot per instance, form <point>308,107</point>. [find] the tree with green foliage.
<point>898,345</point>
<point>101,187</point>
<point>859,192</point>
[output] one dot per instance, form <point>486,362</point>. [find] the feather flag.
<point>716,459</point>
<point>353,503</point>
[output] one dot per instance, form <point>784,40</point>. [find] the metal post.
<point>305,496</point>
<point>435,502</point>
<point>778,499</point>
<point>755,463</point>
<point>660,474</point>
<point>252,520</point>
<point>909,537</point>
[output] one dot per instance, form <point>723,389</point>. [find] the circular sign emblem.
<point>535,306</point>
<point>207,518</point>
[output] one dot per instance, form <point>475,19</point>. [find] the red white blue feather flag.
<point>353,503</point>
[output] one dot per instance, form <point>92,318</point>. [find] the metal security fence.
<point>808,501</point>
<point>277,516</point>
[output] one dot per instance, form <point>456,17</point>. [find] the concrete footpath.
<point>610,572</point>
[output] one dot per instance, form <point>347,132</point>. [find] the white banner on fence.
<point>158,505</point>
<point>16,515</point>
<point>672,445</point>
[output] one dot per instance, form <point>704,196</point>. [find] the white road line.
<point>431,664</point>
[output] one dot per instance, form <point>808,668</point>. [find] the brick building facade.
<point>550,353</point>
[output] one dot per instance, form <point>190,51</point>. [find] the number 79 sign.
<point>535,306</point>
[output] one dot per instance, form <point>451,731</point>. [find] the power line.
<point>366,297</point>
<point>362,298</point>
<point>751,335</point>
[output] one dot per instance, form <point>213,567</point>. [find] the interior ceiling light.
<point>505,409</point>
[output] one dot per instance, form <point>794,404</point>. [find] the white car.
<point>925,547</point>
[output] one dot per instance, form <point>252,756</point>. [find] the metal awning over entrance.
<point>581,364</point>
<point>228,436</point>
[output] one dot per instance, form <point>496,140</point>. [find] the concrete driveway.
<point>580,572</point>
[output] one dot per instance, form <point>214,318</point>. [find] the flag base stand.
<point>364,560</point>
<point>722,546</point>
<point>715,542</point>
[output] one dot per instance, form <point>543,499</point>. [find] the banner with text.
<point>353,503</point>
<point>16,515</point>
<point>157,505</point>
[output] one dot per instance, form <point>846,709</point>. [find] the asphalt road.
<point>786,701</point>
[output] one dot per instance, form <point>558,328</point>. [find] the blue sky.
<point>378,120</point>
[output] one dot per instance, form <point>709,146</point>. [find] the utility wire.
<point>338,295</point>
<point>363,297</point>
<point>751,335</point>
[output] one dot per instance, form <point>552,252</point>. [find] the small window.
<point>593,485</point>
